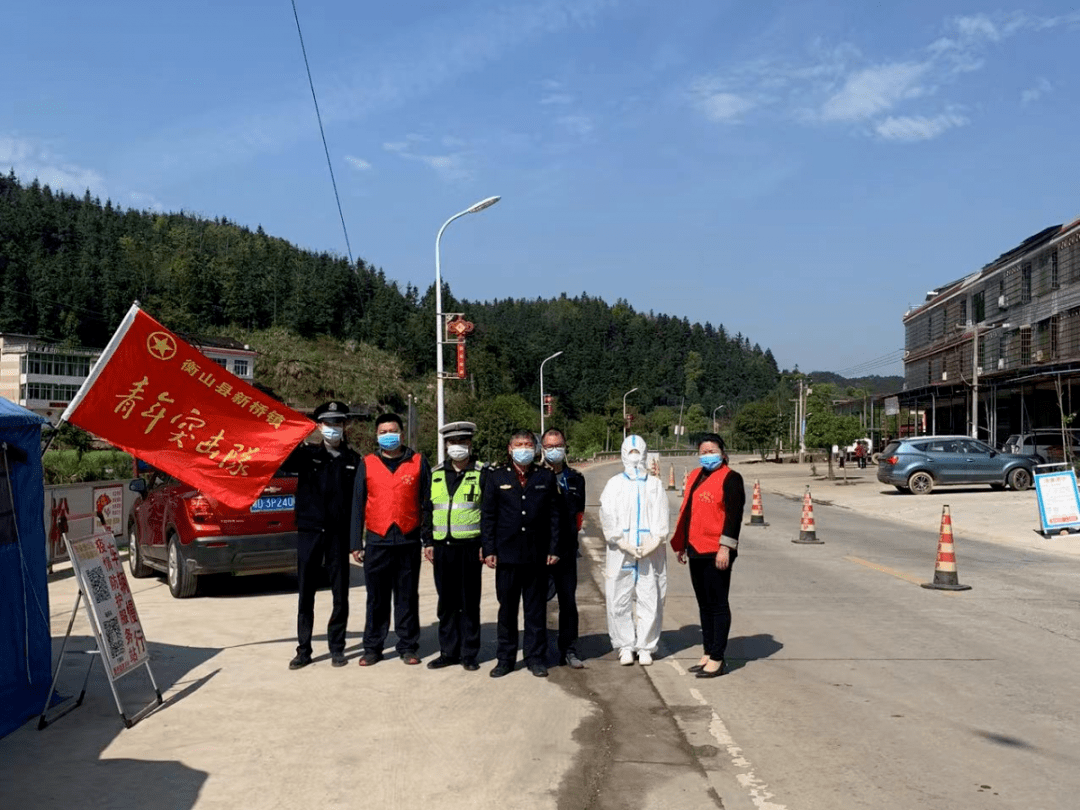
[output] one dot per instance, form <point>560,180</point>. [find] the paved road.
<point>853,687</point>
<point>850,687</point>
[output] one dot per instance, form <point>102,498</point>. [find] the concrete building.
<point>1001,346</point>
<point>44,377</point>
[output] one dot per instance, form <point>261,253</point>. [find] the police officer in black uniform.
<point>564,573</point>
<point>519,529</point>
<point>456,486</point>
<point>324,491</point>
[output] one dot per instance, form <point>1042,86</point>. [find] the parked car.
<point>176,529</point>
<point>1044,444</point>
<point>920,463</point>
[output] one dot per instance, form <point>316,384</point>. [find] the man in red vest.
<point>391,519</point>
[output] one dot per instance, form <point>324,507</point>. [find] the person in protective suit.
<point>454,550</point>
<point>634,519</point>
<point>324,489</point>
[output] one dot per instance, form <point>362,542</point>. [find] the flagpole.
<point>99,366</point>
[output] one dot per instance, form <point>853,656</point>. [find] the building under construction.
<point>1001,345</point>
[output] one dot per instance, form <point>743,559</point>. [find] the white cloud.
<point>359,164</point>
<point>450,167</point>
<point>875,90</point>
<point>1041,88</point>
<point>580,125</point>
<point>725,107</point>
<point>144,201</point>
<point>557,98</point>
<point>913,128</point>
<point>32,159</point>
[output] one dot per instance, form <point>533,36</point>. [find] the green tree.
<point>759,424</point>
<point>824,427</point>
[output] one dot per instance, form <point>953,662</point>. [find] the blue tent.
<point>25,639</point>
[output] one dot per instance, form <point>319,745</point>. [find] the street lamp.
<point>715,427</point>
<point>542,390</point>
<point>624,396</point>
<point>439,326</point>
<point>974,327</point>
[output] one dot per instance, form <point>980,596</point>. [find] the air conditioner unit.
<point>1002,302</point>
<point>979,370</point>
<point>944,375</point>
<point>1001,363</point>
<point>907,353</point>
<point>1038,356</point>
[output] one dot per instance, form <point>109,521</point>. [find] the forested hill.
<point>874,384</point>
<point>70,267</point>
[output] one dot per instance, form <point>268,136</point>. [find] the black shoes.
<point>370,659</point>
<point>468,664</point>
<point>442,661</point>
<point>539,670</point>
<point>338,659</point>
<point>300,661</point>
<point>704,673</point>
<point>501,669</point>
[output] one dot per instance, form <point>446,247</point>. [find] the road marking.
<point>891,572</point>
<point>758,791</point>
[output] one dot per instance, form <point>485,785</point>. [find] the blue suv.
<point>920,463</point>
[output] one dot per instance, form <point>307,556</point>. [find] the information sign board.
<point>1059,502</point>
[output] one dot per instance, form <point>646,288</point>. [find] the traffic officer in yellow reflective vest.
<point>456,485</point>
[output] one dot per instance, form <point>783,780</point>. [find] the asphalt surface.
<point>849,685</point>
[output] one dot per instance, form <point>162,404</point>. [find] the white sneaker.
<point>644,657</point>
<point>626,658</point>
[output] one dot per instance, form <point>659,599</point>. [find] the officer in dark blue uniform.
<point>564,573</point>
<point>519,530</point>
<point>324,491</point>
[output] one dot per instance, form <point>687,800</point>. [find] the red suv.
<point>176,529</point>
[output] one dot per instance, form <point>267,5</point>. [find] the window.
<point>1003,350</point>
<point>978,307</point>
<point>963,311</point>
<point>1025,345</point>
<point>240,368</point>
<point>1055,327</point>
<point>1055,279</point>
<point>220,361</point>
<point>1003,302</point>
<point>1025,282</point>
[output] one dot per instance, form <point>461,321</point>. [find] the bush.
<point>67,467</point>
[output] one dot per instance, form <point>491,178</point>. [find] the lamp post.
<point>715,426</point>
<point>542,390</point>
<point>624,396</point>
<point>439,327</point>
<point>974,327</point>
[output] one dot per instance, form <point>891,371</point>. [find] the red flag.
<point>165,402</point>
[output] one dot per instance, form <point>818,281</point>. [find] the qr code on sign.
<point>98,584</point>
<point>114,638</point>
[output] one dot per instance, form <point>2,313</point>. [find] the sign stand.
<point>1058,499</point>
<point>110,607</point>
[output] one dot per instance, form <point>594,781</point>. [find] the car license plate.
<point>274,503</point>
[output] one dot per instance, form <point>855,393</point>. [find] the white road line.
<point>758,791</point>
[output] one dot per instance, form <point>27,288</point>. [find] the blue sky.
<point>798,172</point>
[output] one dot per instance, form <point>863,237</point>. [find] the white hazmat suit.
<point>634,518</point>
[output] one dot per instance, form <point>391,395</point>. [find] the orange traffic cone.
<point>757,516</point>
<point>945,567</point>
<point>685,478</point>
<point>807,532</point>
<point>671,478</point>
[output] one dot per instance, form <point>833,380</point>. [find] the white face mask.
<point>332,433</point>
<point>458,452</point>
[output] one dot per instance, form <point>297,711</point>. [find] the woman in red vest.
<point>708,533</point>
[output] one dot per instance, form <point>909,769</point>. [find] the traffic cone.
<point>685,478</point>
<point>757,516</point>
<point>945,567</point>
<point>671,478</point>
<point>807,532</point>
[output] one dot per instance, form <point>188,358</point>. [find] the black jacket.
<point>324,486</point>
<point>520,525</point>
<point>573,504</point>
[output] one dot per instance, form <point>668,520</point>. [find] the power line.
<point>322,132</point>
<point>869,365</point>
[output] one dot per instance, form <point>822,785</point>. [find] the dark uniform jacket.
<point>572,493</point>
<point>520,524</point>
<point>324,486</point>
<point>394,536</point>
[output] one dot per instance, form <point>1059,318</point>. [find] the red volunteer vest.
<point>392,497</point>
<point>707,516</point>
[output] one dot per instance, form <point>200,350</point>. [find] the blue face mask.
<point>389,441</point>
<point>523,455</point>
<point>555,455</point>
<point>710,461</point>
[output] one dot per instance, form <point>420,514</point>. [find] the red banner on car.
<point>167,403</point>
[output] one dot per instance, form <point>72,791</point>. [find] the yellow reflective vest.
<point>456,518</point>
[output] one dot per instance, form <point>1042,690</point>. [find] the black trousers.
<point>564,577</point>
<point>524,584</point>
<point>313,551</point>
<point>392,574</point>
<point>711,589</point>
<point>457,579</point>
